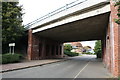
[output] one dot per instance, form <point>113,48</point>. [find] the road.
<point>77,67</point>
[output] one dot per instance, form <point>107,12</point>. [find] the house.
<point>77,47</point>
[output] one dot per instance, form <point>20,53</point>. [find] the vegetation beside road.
<point>67,51</point>
<point>98,49</point>
<point>10,58</point>
<point>71,54</point>
<point>12,29</point>
<point>86,50</point>
<point>12,32</point>
<point>117,4</point>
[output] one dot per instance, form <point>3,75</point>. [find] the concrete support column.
<point>115,39</point>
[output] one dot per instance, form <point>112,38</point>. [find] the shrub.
<point>67,47</point>
<point>71,54</point>
<point>10,58</point>
<point>98,49</point>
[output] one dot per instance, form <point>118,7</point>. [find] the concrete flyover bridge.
<point>78,21</point>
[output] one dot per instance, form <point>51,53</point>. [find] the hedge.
<point>71,54</point>
<point>10,58</point>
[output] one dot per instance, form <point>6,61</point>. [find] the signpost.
<point>11,45</point>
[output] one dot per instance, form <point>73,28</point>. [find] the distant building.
<point>88,49</point>
<point>76,47</point>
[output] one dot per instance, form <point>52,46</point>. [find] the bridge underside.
<point>49,43</point>
<point>92,28</point>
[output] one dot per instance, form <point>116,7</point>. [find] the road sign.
<point>11,44</point>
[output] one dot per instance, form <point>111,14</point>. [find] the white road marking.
<point>81,71</point>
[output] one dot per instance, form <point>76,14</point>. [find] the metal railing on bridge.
<point>67,6</point>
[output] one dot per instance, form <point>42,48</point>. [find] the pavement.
<point>27,64</point>
<point>86,66</point>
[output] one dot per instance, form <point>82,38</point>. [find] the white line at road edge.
<point>81,71</point>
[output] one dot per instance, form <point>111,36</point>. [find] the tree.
<point>67,47</point>
<point>12,28</point>
<point>118,14</point>
<point>98,49</point>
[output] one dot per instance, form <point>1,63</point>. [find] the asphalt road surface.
<point>86,66</point>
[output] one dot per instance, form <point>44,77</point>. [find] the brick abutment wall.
<point>111,42</point>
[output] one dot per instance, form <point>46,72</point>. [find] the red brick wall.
<point>35,48</point>
<point>29,44</point>
<point>111,52</point>
<point>116,71</point>
<point>41,48</point>
<point>119,49</point>
<point>107,49</point>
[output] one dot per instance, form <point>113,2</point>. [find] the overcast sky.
<point>34,9</point>
<point>89,43</point>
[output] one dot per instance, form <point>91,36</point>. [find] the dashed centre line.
<point>80,71</point>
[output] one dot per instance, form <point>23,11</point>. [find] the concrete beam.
<point>76,17</point>
<point>67,10</point>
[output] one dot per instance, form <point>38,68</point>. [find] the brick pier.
<point>111,43</point>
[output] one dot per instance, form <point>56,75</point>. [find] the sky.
<point>89,43</point>
<point>34,9</point>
